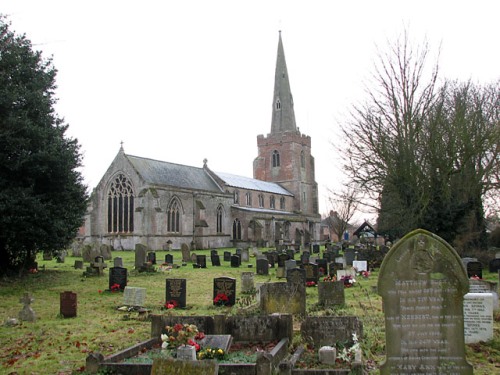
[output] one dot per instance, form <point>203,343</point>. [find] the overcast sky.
<point>181,81</point>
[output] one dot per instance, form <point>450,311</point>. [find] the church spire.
<point>283,114</point>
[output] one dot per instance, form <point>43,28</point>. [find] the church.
<point>163,205</point>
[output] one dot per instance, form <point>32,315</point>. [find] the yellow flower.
<point>220,351</point>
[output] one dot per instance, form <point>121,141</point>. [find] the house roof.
<point>163,173</point>
<point>248,183</point>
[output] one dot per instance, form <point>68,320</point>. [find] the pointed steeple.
<point>283,113</point>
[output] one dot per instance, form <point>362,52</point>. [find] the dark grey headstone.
<point>227,256</point>
<point>140,255</point>
<point>151,257</point>
<point>118,275</point>
<point>494,265</point>
<point>296,275</point>
<point>422,282</point>
<point>215,260</point>
<point>169,259</point>
<point>68,304</point>
<point>186,257</point>
<point>226,286</point>
<point>235,261</point>
<point>475,269</point>
<point>311,271</point>
<point>176,291</point>
<point>349,255</point>
<point>202,261</point>
<point>262,267</point>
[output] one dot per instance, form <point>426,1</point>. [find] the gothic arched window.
<point>272,203</point>
<point>236,229</point>
<point>249,198</point>
<point>174,216</point>
<point>120,206</point>
<point>276,158</point>
<point>282,203</point>
<point>219,219</point>
<point>261,200</point>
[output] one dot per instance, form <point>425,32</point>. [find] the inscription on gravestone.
<point>422,282</point>
<point>176,291</point>
<point>227,286</point>
<point>478,317</point>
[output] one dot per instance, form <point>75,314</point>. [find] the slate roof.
<point>252,184</point>
<point>163,173</point>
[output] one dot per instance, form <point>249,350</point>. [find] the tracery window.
<point>248,198</point>
<point>276,158</point>
<point>236,229</point>
<point>120,206</point>
<point>219,219</point>
<point>174,216</point>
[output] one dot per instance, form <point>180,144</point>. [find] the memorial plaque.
<point>118,275</point>
<point>226,286</point>
<point>422,282</point>
<point>360,265</point>
<point>68,304</point>
<point>176,291</point>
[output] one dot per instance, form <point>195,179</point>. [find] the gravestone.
<point>194,258</point>
<point>483,286</point>
<point>328,330</point>
<point>186,257</point>
<point>202,261</point>
<point>245,257</point>
<point>280,272</point>
<point>235,261</point>
<point>422,282</point>
<point>478,317</point>
<point>331,293</point>
<point>284,298</point>
<point>315,249</point>
<point>290,264</point>
<point>360,265</point>
<point>466,260</point>
<point>133,296</point>
<point>282,258</point>
<point>247,283</point>
<point>494,265</point>
<point>68,304</point>
<point>475,269</point>
<point>48,256</point>
<point>106,252</point>
<point>322,266</point>
<point>87,254</point>
<point>311,271</point>
<point>78,265</point>
<point>227,286</point>
<point>304,258</point>
<point>140,255</point>
<point>176,291</point>
<point>227,256</point>
<point>333,268</point>
<point>118,275</point>
<point>169,259</point>
<point>262,266</point>
<point>27,314</point>
<point>270,259</point>
<point>296,275</point>
<point>118,262</point>
<point>349,255</point>
<point>151,257</point>
<point>215,258</point>
<point>99,265</point>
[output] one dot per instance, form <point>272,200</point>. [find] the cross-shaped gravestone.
<point>27,312</point>
<point>99,265</point>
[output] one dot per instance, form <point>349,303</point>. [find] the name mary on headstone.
<point>422,282</point>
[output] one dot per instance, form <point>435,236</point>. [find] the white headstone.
<point>360,265</point>
<point>478,317</point>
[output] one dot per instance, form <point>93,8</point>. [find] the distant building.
<point>140,200</point>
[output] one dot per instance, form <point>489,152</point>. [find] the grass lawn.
<point>54,345</point>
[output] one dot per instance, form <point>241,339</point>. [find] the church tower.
<point>284,155</point>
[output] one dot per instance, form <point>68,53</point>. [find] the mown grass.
<point>54,345</point>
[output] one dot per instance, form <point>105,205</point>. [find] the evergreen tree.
<point>42,195</point>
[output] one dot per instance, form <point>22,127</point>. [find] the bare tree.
<point>344,205</point>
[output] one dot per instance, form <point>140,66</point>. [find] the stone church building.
<point>164,205</point>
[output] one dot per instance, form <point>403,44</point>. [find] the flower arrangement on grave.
<point>221,299</point>
<point>475,277</point>
<point>115,288</point>
<point>310,283</point>
<point>330,278</point>
<point>365,274</point>
<point>181,334</point>
<point>165,267</point>
<point>348,281</point>
<point>346,351</point>
<point>172,304</point>
<point>211,353</point>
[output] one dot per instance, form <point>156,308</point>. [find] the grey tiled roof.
<point>170,174</point>
<point>252,184</point>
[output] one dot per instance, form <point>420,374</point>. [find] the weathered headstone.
<point>140,255</point>
<point>247,283</point>
<point>270,259</point>
<point>315,248</point>
<point>311,270</point>
<point>285,298</point>
<point>68,304</point>
<point>27,313</point>
<point>186,257</point>
<point>176,291</point>
<point>296,275</point>
<point>106,252</point>
<point>331,293</point>
<point>262,266</point>
<point>282,258</point>
<point>322,266</point>
<point>134,296</point>
<point>117,276</point>
<point>290,264</point>
<point>225,286</point>
<point>118,262</point>
<point>179,367</point>
<point>349,255</point>
<point>327,330</point>
<point>478,317</point>
<point>422,282</point>
<point>245,257</point>
<point>194,258</point>
<point>78,265</point>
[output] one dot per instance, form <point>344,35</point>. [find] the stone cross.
<point>27,312</point>
<point>100,265</point>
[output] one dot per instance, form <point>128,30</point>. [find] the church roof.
<point>163,173</point>
<point>252,184</point>
<point>283,114</point>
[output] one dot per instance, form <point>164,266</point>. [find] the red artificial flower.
<point>178,327</point>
